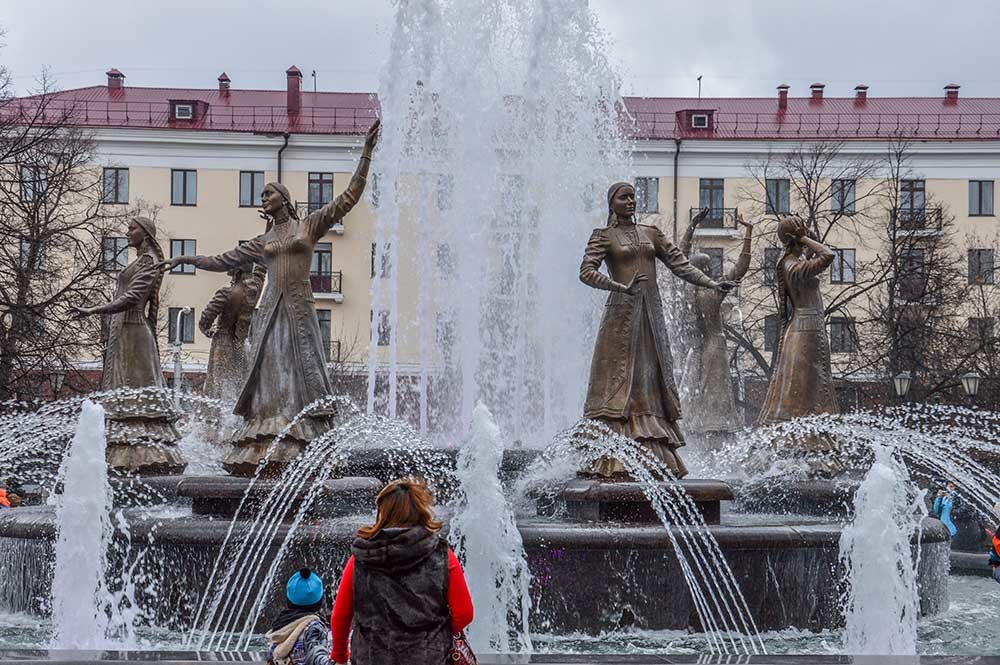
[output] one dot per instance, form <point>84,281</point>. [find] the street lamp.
<point>902,383</point>
<point>970,384</point>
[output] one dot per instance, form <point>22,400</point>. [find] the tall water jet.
<point>80,617</point>
<point>882,602</point>
<point>485,531</point>
<point>501,133</point>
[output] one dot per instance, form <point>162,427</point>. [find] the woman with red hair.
<point>403,589</point>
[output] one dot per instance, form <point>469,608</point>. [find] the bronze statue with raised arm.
<point>632,386</point>
<point>706,386</point>
<point>287,368</point>
<point>140,432</point>
<point>801,377</point>
<point>226,321</point>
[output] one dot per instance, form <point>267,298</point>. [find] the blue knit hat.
<point>304,588</point>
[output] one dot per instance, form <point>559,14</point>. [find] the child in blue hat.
<point>299,636</point>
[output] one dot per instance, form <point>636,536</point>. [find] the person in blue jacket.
<point>942,507</point>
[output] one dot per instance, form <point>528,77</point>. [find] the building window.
<point>115,186</point>
<point>711,192</point>
<point>772,328</point>
<point>114,253</point>
<point>325,338</point>
<point>320,190</point>
<point>34,182</point>
<point>842,339</point>
<point>777,196</point>
<point>715,261</point>
<point>183,187</point>
<point>844,196</point>
<point>981,198</point>
<point>980,266</point>
<point>186,325</point>
<point>384,329</point>
<point>321,269</point>
<point>647,194</point>
<point>912,199</point>
<point>184,111</point>
<point>24,256</point>
<point>771,257</point>
<point>912,276</point>
<point>251,185</point>
<point>386,262</point>
<point>842,271</point>
<point>981,329</point>
<point>183,248</point>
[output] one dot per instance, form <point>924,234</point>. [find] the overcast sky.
<point>898,47</point>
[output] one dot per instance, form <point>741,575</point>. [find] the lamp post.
<point>901,382</point>
<point>970,384</point>
<point>178,368</point>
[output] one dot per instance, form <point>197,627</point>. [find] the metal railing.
<point>639,124</point>
<point>918,219</point>
<point>718,218</point>
<point>311,119</point>
<point>326,282</point>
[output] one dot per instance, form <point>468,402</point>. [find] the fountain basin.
<point>789,572</point>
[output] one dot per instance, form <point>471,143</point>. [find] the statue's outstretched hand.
<point>726,285</point>
<point>700,217</point>
<point>371,138</point>
<point>80,312</point>
<point>170,264</point>
<point>635,285</point>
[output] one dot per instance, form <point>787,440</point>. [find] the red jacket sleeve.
<point>459,600</point>
<point>343,615</point>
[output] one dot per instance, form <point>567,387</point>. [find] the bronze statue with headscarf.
<point>632,386</point>
<point>287,361</point>
<point>140,432</point>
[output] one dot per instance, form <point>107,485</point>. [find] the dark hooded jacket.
<point>401,610</point>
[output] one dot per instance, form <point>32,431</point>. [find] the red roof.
<point>646,117</point>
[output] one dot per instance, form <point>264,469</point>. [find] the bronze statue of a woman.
<point>801,380</point>
<point>140,432</point>
<point>226,320</point>
<point>632,386</point>
<point>707,391</point>
<point>287,369</point>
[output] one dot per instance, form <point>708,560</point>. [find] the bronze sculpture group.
<point>631,387</point>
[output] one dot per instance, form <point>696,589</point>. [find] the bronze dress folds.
<point>631,375</point>
<point>140,432</point>
<point>287,368</point>
<point>802,382</point>
<point>230,311</point>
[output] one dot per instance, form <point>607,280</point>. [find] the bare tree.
<point>53,223</point>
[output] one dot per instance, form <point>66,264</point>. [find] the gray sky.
<point>898,47</point>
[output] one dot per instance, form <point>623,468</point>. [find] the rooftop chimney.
<point>860,94</point>
<point>224,83</point>
<point>951,92</point>
<point>817,91</point>
<point>294,89</point>
<point>116,80</point>
<point>783,96</point>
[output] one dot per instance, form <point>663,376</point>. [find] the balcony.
<point>327,285</point>
<point>721,222</point>
<point>918,221</point>
<point>302,209</point>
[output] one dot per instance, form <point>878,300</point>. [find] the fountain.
<point>513,122</point>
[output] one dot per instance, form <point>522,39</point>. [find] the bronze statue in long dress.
<point>801,378</point>
<point>140,432</point>
<point>706,386</point>
<point>287,362</point>
<point>226,320</point>
<point>631,375</point>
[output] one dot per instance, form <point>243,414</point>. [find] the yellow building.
<point>203,155</point>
